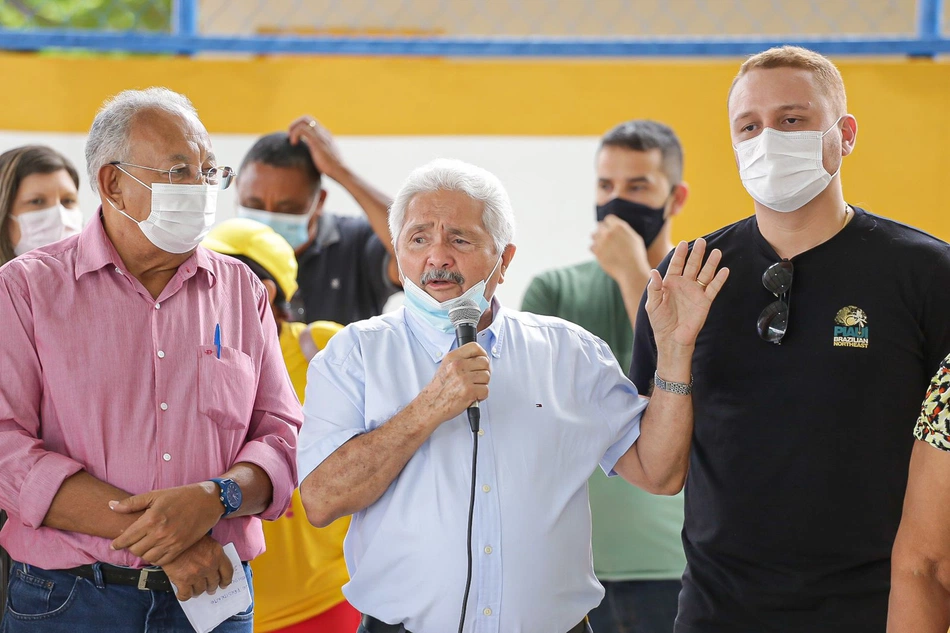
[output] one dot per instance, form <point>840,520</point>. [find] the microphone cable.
<point>465,319</point>
<point>471,515</point>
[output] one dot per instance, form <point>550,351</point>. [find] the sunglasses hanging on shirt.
<point>773,321</point>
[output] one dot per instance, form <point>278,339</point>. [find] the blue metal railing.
<point>185,39</point>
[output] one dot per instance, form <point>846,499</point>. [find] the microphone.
<point>465,318</point>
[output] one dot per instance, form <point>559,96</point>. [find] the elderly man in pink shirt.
<point>146,417</point>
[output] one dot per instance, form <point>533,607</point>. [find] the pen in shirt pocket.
<point>217,339</point>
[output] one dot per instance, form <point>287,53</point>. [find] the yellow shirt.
<point>302,571</point>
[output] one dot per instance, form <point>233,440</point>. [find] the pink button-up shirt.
<point>97,375</point>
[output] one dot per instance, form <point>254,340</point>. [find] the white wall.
<point>550,181</point>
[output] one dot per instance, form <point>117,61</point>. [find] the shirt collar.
<point>203,262</point>
<point>437,343</point>
<point>96,251</point>
<point>328,232</point>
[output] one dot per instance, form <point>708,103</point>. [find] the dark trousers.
<point>637,606</point>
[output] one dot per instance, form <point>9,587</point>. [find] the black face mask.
<point>646,221</point>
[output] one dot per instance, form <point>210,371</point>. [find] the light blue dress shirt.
<point>558,404</point>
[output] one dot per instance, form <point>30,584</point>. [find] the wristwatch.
<point>680,388</point>
<point>231,496</point>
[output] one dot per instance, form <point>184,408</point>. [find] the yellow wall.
<point>904,132</point>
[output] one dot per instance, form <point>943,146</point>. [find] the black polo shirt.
<point>343,276</point>
<point>800,450</point>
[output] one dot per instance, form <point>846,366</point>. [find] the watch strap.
<point>223,484</point>
<point>680,388</point>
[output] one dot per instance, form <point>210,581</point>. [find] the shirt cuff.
<point>41,484</point>
<point>618,448</point>
<point>274,462</point>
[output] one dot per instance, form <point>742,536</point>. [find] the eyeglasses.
<point>773,322</point>
<point>191,174</point>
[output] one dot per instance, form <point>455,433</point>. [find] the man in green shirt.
<point>638,552</point>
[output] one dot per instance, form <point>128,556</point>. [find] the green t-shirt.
<point>636,535</point>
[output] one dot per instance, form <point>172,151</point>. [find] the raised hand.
<point>678,303</point>
<point>323,150</point>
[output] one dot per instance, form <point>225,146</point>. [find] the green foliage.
<point>110,15</point>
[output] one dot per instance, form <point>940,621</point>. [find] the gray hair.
<point>109,135</point>
<point>446,174</point>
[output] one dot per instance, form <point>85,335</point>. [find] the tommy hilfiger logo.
<point>851,327</point>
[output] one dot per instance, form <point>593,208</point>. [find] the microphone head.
<point>466,312</point>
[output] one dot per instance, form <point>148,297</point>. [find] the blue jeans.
<point>637,606</point>
<point>59,602</point>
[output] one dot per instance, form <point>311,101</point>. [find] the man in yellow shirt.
<point>298,579</point>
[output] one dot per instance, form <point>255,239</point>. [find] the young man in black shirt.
<point>346,267</point>
<point>808,374</point>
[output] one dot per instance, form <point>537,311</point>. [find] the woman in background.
<point>39,199</point>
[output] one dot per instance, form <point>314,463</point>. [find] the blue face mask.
<point>436,314</point>
<point>290,226</point>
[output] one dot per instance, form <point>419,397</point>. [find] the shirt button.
<point>164,406</point>
<point>167,457</point>
<point>486,488</point>
<point>495,351</point>
<point>487,611</point>
<point>481,431</point>
<point>158,306</point>
<point>488,549</point>
<point>118,270</point>
<point>161,354</point>
<point>438,354</point>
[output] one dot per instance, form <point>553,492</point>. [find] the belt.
<point>372,625</point>
<point>146,579</point>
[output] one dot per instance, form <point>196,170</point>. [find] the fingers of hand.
<point>469,350</point>
<point>135,533</point>
<point>155,556</point>
<point>717,283</point>
<point>708,271</point>
<point>225,570</point>
<point>678,261</point>
<point>695,260</point>
<point>469,378</point>
<point>135,503</point>
<point>654,289</point>
<point>471,371</point>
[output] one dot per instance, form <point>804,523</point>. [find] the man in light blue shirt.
<point>386,438</point>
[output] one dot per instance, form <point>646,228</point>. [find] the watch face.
<point>232,493</point>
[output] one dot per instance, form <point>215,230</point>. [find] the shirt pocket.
<point>227,386</point>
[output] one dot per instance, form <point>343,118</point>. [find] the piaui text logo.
<point>851,327</point>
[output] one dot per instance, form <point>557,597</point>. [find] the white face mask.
<point>181,215</point>
<point>784,170</point>
<point>39,228</point>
